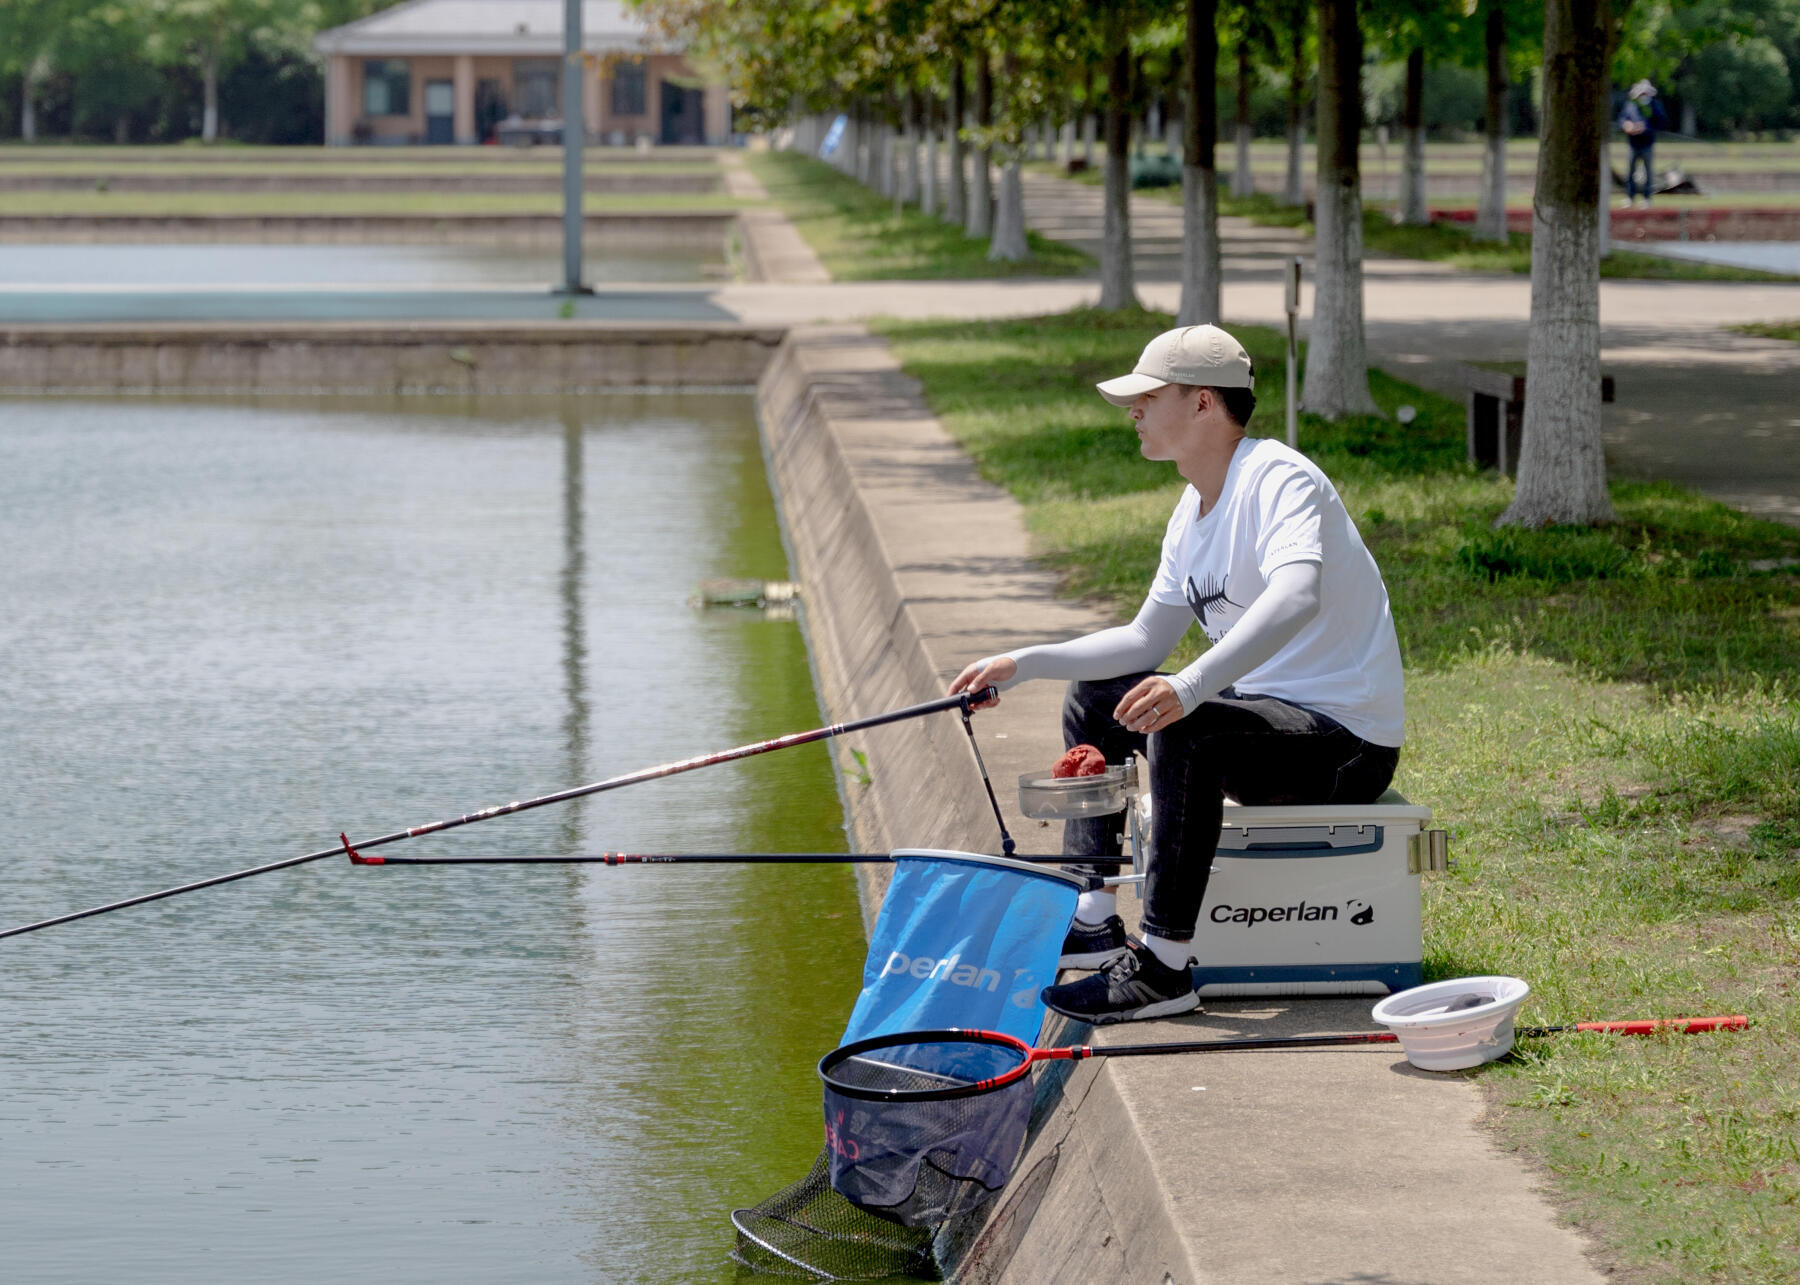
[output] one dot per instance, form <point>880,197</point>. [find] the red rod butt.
<point>357,858</point>
<point>1678,1025</point>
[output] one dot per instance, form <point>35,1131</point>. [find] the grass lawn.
<point>1772,330</point>
<point>1608,721</point>
<point>859,237</point>
<point>88,203</point>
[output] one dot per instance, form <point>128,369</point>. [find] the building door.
<point>683,114</point>
<point>440,111</point>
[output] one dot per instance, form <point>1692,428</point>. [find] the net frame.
<point>952,1086</point>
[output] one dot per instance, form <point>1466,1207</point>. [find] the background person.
<point>1298,699</point>
<point>1640,118</point>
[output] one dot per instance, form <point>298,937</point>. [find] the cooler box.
<point>1317,900</point>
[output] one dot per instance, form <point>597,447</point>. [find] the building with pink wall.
<point>480,71</point>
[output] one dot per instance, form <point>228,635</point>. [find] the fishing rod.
<point>1093,882</point>
<point>964,701</point>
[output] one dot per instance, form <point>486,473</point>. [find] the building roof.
<point>422,27</point>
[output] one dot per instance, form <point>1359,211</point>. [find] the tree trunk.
<point>1337,373</point>
<point>28,109</point>
<point>979,221</point>
<point>1413,209</point>
<point>928,176</point>
<point>956,199</point>
<point>1008,244</point>
<point>1562,461</point>
<point>1117,289</point>
<point>1292,192</point>
<point>121,129</point>
<point>865,143</point>
<point>1242,184</point>
<point>1690,124</point>
<point>1603,216</point>
<point>1199,172</point>
<point>209,112</point>
<point>1490,220</point>
<point>909,141</point>
<point>887,175</point>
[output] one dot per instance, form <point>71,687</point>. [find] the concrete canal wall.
<point>396,357</point>
<point>671,230</point>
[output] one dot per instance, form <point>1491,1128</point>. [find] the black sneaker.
<point>1138,985</point>
<point>1091,945</point>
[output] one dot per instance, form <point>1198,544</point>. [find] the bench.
<point>1497,400</point>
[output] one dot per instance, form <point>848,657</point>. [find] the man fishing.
<point>1298,700</point>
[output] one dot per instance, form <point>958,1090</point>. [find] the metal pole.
<point>573,129</point>
<point>1293,352</point>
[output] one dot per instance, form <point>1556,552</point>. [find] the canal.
<point>229,629</point>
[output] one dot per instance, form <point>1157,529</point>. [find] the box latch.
<point>1427,850</point>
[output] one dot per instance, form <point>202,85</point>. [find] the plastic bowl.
<point>1453,1025</point>
<point>1043,797</point>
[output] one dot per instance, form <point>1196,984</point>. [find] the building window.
<point>387,87</point>
<point>534,87</point>
<point>628,89</point>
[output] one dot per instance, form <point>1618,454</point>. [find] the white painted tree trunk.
<point>1603,222</point>
<point>1413,210</point>
<point>979,219</point>
<point>1293,190</point>
<point>28,110</point>
<point>1066,148</point>
<point>1008,244</point>
<point>1089,130</point>
<point>209,109</point>
<point>1242,183</point>
<point>1200,272</point>
<point>909,177</point>
<point>1490,220</point>
<point>1337,362</point>
<point>1117,287</point>
<point>1562,459</point>
<point>887,177</point>
<point>928,177</point>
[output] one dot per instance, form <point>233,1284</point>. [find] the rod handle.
<point>1680,1025</point>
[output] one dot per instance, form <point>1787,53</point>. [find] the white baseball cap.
<point>1201,355</point>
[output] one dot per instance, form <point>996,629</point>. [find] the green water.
<point>228,630</point>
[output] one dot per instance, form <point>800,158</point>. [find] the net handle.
<point>1029,1056</point>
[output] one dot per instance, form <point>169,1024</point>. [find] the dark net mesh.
<point>810,1232</point>
<point>921,1163</point>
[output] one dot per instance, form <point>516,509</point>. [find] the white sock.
<point>1173,954</point>
<point>1096,908</point>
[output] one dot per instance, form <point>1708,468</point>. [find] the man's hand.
<point>982,673</point>
<point>1150,706</point>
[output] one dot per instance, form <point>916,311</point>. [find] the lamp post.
<point>573,131</point>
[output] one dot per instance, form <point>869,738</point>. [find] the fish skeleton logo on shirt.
<point>1207,594</point>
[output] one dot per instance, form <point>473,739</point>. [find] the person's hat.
<point>1643,89</point>
<point>1200,355</point>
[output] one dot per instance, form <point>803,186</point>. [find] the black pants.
<point>1256,749</point>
